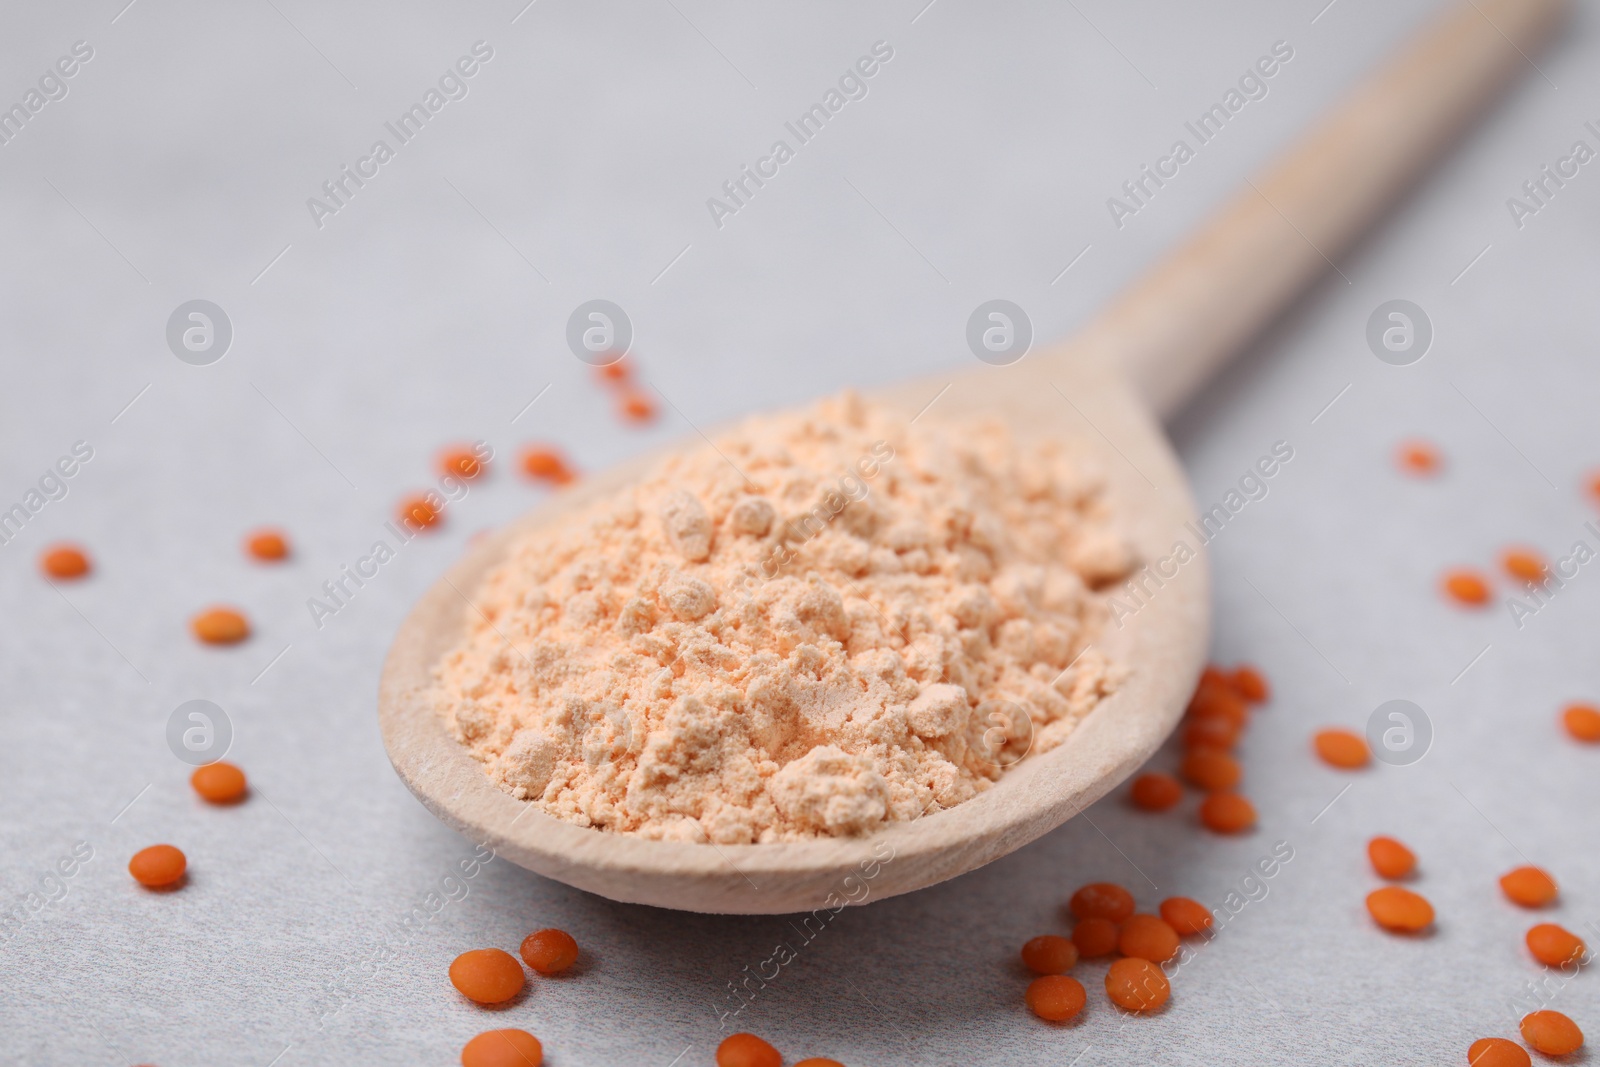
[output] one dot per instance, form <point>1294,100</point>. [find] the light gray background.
<point>433,308</point>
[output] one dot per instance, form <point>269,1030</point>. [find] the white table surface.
<point>432,308</point>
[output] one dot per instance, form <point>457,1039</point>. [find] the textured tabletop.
<point>566,152</point>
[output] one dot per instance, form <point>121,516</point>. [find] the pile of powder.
<point>832,620</point>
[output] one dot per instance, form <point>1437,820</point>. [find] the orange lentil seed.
<point>462,461</point>
<point>157,866</point>
<point>220,626</point>
<point>747,1050</point>
<point>620,371</point>
<point>549,951</point>
<point>1137,985</point>
<point>1419,457</point>
<point>1155,791</point>
<point>503,1048</point>
<point>1524,564</point>
<point>1497,1052</point>
<point>1399,910</point>
<point>1528,886</point>
<point>1210,731</point>
<point>219,783</point>
<point>1101,900</point>
<point>1390,858</point>
<point>64,561</point>
<point>1251,684</point>
<point>1148,937</point>
<point>1582,722</point>
<point>1095,937</point>
<point>419,512</point>
<point>1467,587</point>
<point>1049,954</point>
<point>1219,700</point>
<point>1210,769</point>
<point>1551,1033</point>
<point>1554,945</point>
<point>547,465</point>
<point>1342,748</point>
<point>1227,813</point>
<point>487,975</point>
<point>1055,997</point>
<point>1186,916</point>
<point>638,407</point>
<point>268,546</point>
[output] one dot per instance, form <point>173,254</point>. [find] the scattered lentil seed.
<point>64,561</point>
<point>1390,858</point>
<point>1551,1033</point>
<point>1137,985</point>
<point>1524,564</point>
<point>1101,900</point>
<point>1528,886</point>
<point>1342,748</point>
<point>1419,458</point>
<point>1155,791</point>
<point>549,951</point>
<point>1210,732</point>
<point>219,782</point>
<point>220,626</point>
<point>158,866</point>
<point>1055,997</point>
<point>1221,701</point>
<point>417,511</point>
<point>747,1050</point>
<point>1186,916</point>
<point>547,465</point>
<point>1227,813</point>
<point>1049,954</point>
<point>1148,937</point>
<point>1210,769</point>
<point>1251,684</point>
<point>1582,722</point>
<point>503,1048</point>
<point>1467,587</point>
<point>1554,945</point>
<point>638,407</point>
<point>461,461</point>
<point>268,546</point>
<point>620,371</point>
<point>1497,1052</point>
<point>1399,910</point>
<point>487,975</point>
<point>1095,937</point>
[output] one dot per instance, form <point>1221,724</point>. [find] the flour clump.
<point>835,620</point>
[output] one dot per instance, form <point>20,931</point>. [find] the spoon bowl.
<point>1164,643</point>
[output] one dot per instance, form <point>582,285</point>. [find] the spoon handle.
<point>1202,303</point>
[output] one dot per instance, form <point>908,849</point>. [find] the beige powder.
<point>832,620</point>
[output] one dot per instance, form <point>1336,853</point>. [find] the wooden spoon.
<point>1139,359</point>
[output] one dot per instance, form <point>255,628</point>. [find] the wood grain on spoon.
<point>1286,227</point>
<point>1170,331</point>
